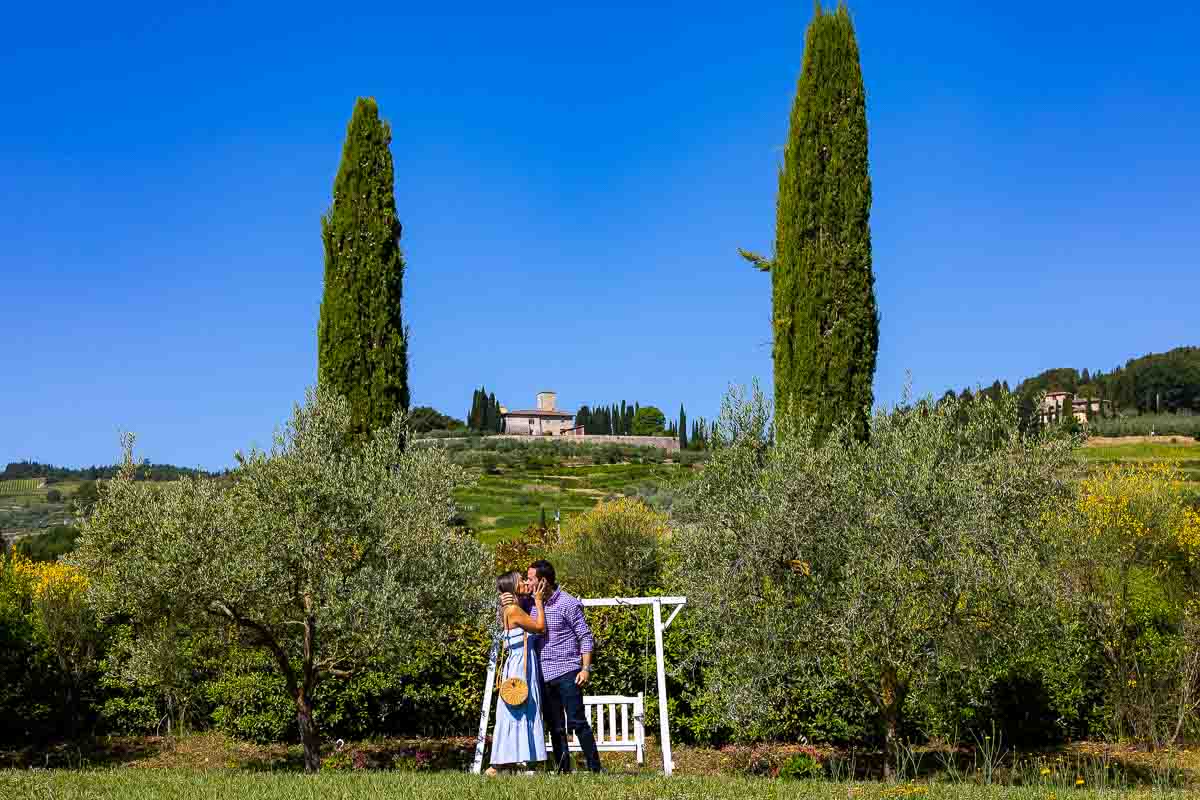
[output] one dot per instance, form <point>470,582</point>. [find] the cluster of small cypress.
<point>612,420</point>
<point>485,412</point>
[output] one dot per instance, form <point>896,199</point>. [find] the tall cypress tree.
<point>478,412</point>
<point>825,322</point>
<point>683,437</point>
<point>362,344</point>
<point>491,415</point>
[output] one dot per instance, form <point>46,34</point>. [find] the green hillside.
<point>1154,383</point>
<point>503,504</point>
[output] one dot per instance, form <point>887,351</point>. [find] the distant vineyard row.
<point>21,486</point>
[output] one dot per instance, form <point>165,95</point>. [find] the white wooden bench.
<point>603,713</point>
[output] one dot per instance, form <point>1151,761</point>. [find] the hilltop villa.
<point>545,420</point>
<point>1081,407</point>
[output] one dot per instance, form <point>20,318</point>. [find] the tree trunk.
<point>892,695</point>
<point>71,708</point>
<point>308,734</point>
<point>890,742</point>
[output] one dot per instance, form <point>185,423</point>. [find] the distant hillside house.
<point>545,420</point>
<point>1081,407</point>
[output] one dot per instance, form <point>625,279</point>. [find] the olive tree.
<point>890,562</point>
<point>322,551</point>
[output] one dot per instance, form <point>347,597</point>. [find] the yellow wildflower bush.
<point>50,581</point>
<point>57,596</point>
<point>1140,510</point>
<point>1131,577</point>
<point>615,547</point>
<point>617,516</point>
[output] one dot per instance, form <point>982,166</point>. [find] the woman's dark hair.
<point>544,569</point>
<point>508,582</point>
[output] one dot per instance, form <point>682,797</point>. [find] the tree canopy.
<point>884,563</point>
<point>323,551</point>
<point>649,421</point>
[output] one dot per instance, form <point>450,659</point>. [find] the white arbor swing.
<point>606,730</point>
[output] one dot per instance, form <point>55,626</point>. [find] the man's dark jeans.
<point>564,699</point>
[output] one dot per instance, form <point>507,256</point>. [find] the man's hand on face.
<point>507,599</point>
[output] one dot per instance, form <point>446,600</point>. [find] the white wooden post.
<point>663,727</point>
<point>639,730</point>
<point>477,766</point>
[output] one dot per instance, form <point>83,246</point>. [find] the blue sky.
<point>574,182</point>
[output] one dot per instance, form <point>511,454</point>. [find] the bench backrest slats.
<point>604,726</point>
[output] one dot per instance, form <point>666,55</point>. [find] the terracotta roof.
<point>540,413</point>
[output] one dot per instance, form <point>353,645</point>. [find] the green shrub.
<point>802,766</point>
<point>616,547</point>
<point>253,704</point>
<point>56,541</point>
<point>519,552</point>
<point>131,715</point>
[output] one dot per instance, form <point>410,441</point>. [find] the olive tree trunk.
<point>308,732</point>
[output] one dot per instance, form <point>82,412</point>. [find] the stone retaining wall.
<point>668,443</point>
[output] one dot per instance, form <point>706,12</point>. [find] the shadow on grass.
<point>91,753</point>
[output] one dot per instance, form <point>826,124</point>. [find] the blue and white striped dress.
<point>519,735</point>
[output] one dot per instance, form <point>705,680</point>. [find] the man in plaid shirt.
<point>565,652</point>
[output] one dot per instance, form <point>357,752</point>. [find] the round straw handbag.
<point>514,691</point>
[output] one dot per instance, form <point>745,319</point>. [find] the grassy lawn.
<point>503,504</point>
<point>133,784</point>
<point>1183,452</point>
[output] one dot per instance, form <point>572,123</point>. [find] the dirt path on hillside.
<point>1108,441</point>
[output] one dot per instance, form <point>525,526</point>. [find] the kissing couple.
<point>549,649</point>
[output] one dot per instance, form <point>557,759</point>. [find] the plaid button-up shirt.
<point>567,637</point>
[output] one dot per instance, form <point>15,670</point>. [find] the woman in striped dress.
<point>519,737</point>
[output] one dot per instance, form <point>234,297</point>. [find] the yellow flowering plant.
<point>57,598</point>
<point>1132,578</point>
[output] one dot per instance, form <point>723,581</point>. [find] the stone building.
<point>1081,407</point>
<point>545,420</point>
